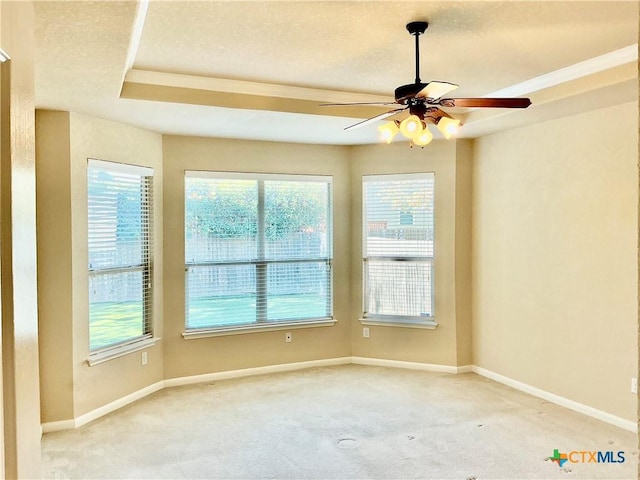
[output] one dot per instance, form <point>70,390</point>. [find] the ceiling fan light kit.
<point>423,100</point>
<point>423,139</point>
<point>448,126</point>
<point>388,131</point>
<point>411,126</point>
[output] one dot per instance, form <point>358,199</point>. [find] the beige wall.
<point>451,166</point>
<point>18,237</point>
<point>62,201</point>
<point>527,278</point>
<point>65,141</point>
<point>214,354</point>
<point>55,261</point>
<point>103,140</point>
<point>463,238</point>
<point>555,268</point>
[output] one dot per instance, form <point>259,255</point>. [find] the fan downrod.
<point>416,29</point>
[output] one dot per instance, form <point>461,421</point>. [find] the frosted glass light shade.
<point>411,126</point>
<point>448,126</point>
<point>388,131</point>
<point>423,138</point>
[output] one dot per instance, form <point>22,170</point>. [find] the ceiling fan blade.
<point>485,102</point>
<point>377,117</point>
<point>436,89</point>
<point>363,103</point>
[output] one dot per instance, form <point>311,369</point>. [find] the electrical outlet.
<point>287,337</point>
<point>144,358</point>
<point>634,385</point>
<point>365,332</point>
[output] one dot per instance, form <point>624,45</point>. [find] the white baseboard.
<point>116,404</point>
<point>174,382</point>
<point>102,411</point>
<point>381,362</point>
<point>558,400</point>
<point>248,372</point>
<point>57,426</point>
<point>288,367</point>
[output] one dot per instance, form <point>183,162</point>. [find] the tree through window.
<point>257,248</point>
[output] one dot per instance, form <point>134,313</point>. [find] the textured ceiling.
<point>364,46</point>
<point>327,47</point>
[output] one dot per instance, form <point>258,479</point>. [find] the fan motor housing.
<point>406,92</point>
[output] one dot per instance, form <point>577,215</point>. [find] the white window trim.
<point>390,320</point>
<point>120,167</point>
<point>393,177</point>
<point>148,340</point>
<point>256,328</point>
<point>258,176</point>
<point>121,350</point>
<point>427,325</point>
<point>224,330</point>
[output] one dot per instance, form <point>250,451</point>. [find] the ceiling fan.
<point>423,100</point>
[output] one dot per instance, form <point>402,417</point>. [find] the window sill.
<point>266,327</point>
<point>120,351</point>
<point>430,325</point>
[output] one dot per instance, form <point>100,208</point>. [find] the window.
<point>257,249</point>
<point>120,239</point>
<point>398,250</point>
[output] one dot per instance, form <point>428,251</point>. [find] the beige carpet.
<point>339,423</point>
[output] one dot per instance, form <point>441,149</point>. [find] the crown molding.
<point>149,77</point>
<point>572,72</point>
<point>136,33</point>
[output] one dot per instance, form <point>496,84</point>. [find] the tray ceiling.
<point>207,68</point>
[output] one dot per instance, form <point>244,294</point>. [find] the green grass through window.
<point>112,322</point>
<point>211,311</point>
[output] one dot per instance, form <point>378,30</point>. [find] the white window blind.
<point>398,247</point>
<point>257,248</point>
<point>120,256</point>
